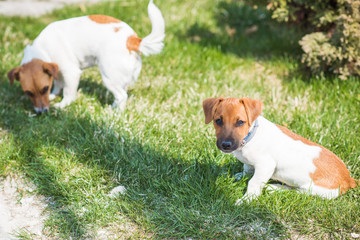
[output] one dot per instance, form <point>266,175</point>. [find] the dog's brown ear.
<point>52,69</point>
<point>253,108</point>
<point>14,74</point>
<point>208,106</point>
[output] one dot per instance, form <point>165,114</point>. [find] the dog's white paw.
<point>61,104</point>
<point>119,105</point>
<point>52,96</point>
<point>241,201</point>
<point>245,199</point>
<point>64,102</point>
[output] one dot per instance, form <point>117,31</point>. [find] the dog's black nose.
<point>226,145</point>
<point>39,111</point>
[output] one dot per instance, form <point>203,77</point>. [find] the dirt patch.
<point>20,209</point>
<point>35,8</point>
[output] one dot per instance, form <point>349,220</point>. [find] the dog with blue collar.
<point>274,152</point>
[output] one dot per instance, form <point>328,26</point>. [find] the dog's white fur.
<point>78,43</point>
<point>271,154</point>
<point>274,152</point>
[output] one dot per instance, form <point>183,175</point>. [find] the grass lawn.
<point>179,185</point>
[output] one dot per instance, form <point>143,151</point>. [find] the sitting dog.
<point>273,151</point>
<point>64,48</point>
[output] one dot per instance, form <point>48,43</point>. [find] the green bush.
<point>333,44</point>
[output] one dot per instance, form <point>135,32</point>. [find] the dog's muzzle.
<point>227,145</point>
<point>39,111</point>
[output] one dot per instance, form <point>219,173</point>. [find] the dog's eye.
<point>239,123</point>
<point>47,72</point>
<point>30,94</point>
<point>219,122</point>
<point>44,90</point>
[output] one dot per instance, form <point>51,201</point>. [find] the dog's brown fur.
<point>229,111</point>
<point>331,172</point>
<point>36,79</point>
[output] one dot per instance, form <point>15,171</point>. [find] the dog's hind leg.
<point>117,88</point>
<point>120,99</point>
<point>320,191</point>
<point>274,187</point>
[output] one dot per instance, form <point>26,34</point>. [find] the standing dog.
<point>273,151</point>
<point>64,48</point>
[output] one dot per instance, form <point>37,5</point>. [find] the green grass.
<point>179,185</point>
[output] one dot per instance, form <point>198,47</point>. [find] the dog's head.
<point>36,79</point>
<point>232,119</point>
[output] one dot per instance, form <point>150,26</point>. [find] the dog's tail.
<point>153,43</point>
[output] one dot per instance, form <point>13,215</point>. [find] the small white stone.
<point>116,191</point>
<point>355,235</point>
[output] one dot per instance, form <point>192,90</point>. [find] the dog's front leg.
<point>263,172</point>
<point>120,99</point>
<point>116,87</point>
<point>71,83</point>
<point>58,86</point>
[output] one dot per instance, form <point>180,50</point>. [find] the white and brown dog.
<point>64,48</point>
<point>273,151</point>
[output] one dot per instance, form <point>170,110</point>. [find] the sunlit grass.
<point>178,183</point>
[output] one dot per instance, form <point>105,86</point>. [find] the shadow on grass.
<point>93,88</point>
<point>246,30</point>
<point>168,195</point>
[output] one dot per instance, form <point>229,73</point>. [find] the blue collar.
<point>251,133</point>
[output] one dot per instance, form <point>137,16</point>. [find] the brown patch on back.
<point>116,29</point>
<point>296,137</point>
<point>133,43</point>
<point>330,171</point>
<point>103,19</point>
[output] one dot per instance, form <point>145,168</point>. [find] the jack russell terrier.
<point>64,48</point>
<point>273,151</point>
